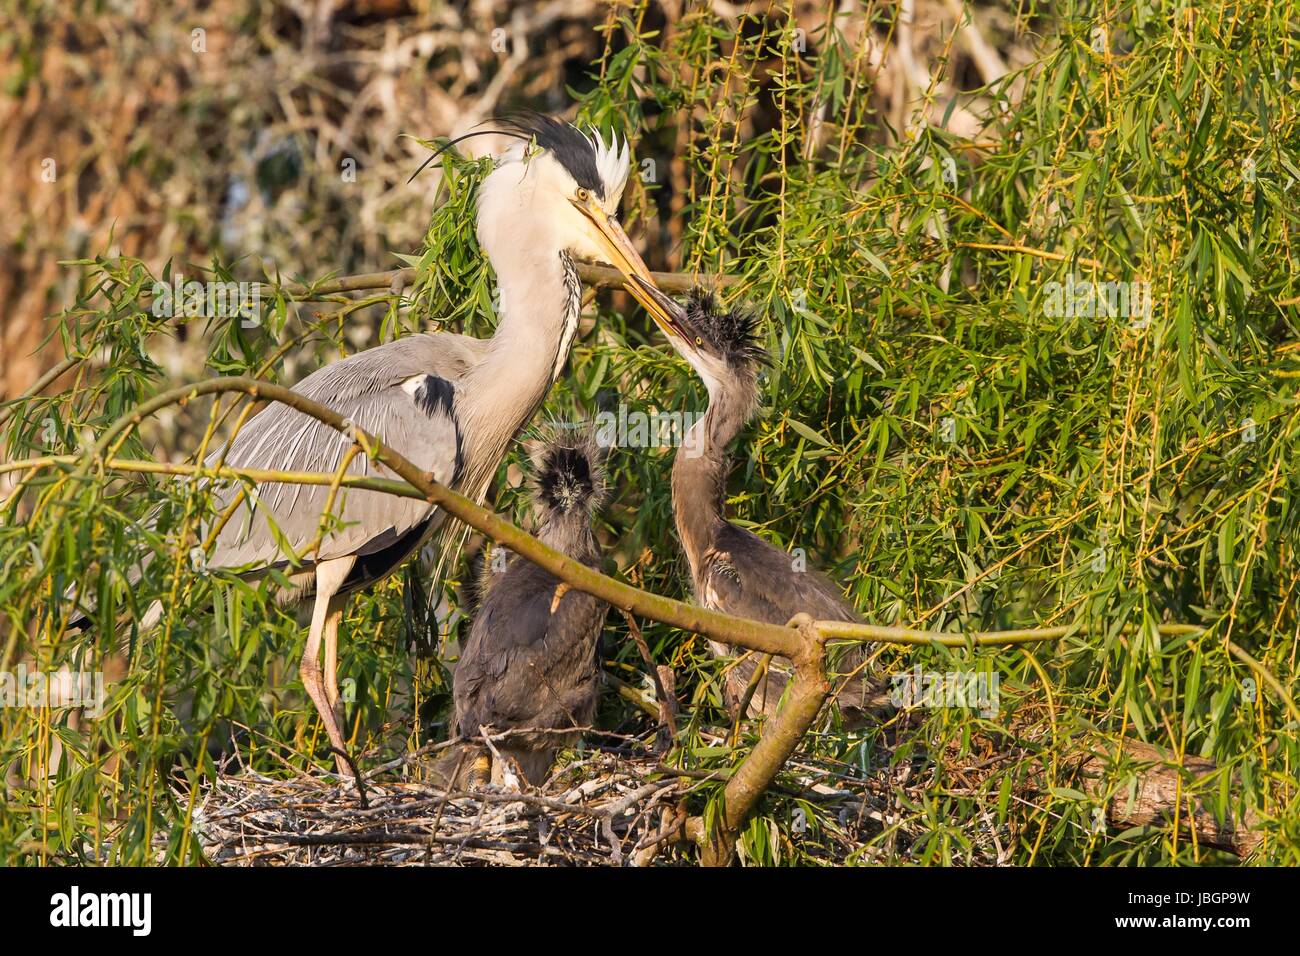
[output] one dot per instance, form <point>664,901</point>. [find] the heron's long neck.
<point>540,301</point>
<point>700,468</point>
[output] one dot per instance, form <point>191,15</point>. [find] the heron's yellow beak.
<point>618,249</point>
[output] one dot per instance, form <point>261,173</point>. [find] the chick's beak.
<point>668,315</point>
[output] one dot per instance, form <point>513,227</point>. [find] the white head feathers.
<point>613,162</point>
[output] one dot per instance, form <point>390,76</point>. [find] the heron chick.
<point>734,570</point>
<point>531,663</point>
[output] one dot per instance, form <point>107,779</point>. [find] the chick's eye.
<point>582,194</point>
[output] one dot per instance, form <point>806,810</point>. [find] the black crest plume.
<point>570,147</point>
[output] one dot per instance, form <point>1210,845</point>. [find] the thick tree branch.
<point>780,737</point>
<point>1144,785</point>
<point>768,638</point>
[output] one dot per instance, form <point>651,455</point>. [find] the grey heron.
<point>450,403</point>
<point>532,657</point>
<point>734,570</point>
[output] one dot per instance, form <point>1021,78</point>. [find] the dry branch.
<point>593,274</point>
<point>1161,792</point>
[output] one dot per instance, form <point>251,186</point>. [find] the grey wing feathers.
<point>756,579</point>
<point>393,393</point>
<point>747,576</point>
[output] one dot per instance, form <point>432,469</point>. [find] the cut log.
<point>1144,785</point>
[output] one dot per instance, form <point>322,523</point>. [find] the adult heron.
<point>532,663</point>
<point>450,403</point>
<point>734,570</point>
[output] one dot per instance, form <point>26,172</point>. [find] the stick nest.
<point>600,810</point>
<point>616,807</point>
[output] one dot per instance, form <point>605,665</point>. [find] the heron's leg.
<point>330,576</point>
<point>333,617</point>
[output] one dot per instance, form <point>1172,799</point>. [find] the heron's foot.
<point>480,773</point>
<point>507,774</point>
<point>349,776</point>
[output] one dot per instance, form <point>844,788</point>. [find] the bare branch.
<point>593,274</point>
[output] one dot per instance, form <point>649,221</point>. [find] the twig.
<point>591,273</point>
<point>1028,251</point>
<point>750,689</point>
<point>39,385</point>
<point>631,694</point>
<point>667,704</point>
<point>356,775</point>
<point>1266,676</point>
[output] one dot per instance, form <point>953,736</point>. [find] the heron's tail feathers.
<point>861,698</point>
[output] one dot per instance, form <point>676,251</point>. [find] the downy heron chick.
<point>734,570</point>
<point>532,658</point>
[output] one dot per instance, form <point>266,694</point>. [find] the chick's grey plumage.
<point>532,657</point>
<point>734,570</point>
<point>743,575</point>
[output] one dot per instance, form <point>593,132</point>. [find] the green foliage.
<point>940,431</point>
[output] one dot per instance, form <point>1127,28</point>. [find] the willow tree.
<point>1035,369</point>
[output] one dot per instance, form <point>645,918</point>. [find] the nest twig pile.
<point>603,810</point>
<point>608,807</point>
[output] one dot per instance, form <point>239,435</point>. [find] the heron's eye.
<point>698,340</point>
<point>582,194</point>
